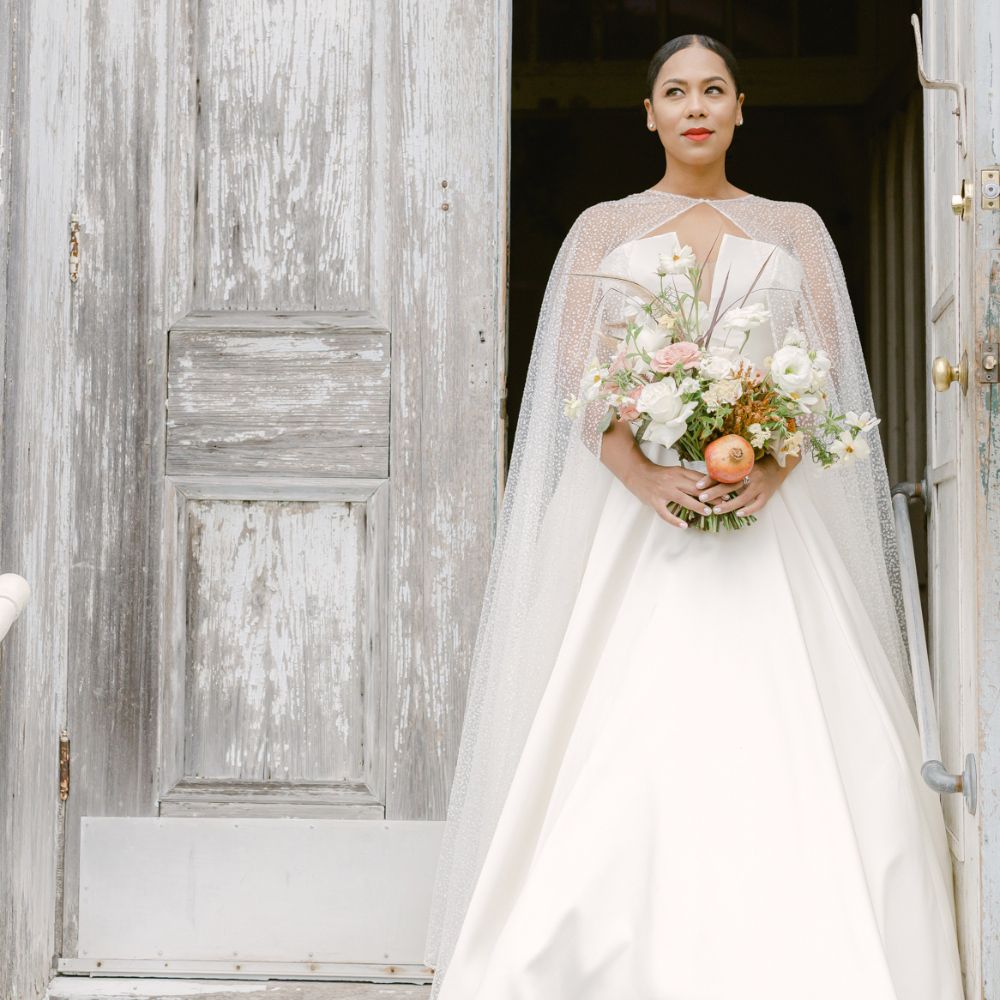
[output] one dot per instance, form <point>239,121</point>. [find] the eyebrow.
<point>674,79</point>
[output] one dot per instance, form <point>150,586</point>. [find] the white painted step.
<point>120,988</point>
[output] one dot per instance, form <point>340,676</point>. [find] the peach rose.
<point>683,351</point>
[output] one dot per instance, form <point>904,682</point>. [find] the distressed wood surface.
<point>284,177</point>
<point>281,400</point>
<point>38,132</point>
<point>984,103</point>
<point>276,657</point>
<point>95,988</point>
<point>218,173</point>
<point>441,148</point>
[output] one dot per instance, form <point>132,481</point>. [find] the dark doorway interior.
<point>823,84</point>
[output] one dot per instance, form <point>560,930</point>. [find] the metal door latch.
<point>989,181</point>
<point>987,362</point>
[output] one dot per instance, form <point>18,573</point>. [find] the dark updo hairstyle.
<point>665,51</point>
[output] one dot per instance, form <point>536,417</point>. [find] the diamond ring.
<point>746,480</point>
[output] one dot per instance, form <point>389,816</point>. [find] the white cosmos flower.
<point>677,262</point>
<point>847,447</point>
<point>863,421</point>
<point>593,376</point>
<point>662,401</point>
<point>743,318</point>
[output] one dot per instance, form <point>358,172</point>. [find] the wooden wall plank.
<point>442,147</point>
<point>284,175</point>
<point>37,164</point>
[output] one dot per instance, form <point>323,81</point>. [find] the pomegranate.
<point>728,458</point>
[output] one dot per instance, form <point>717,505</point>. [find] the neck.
<point>696,182</point>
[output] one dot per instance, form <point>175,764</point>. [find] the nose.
<point>694,106</point>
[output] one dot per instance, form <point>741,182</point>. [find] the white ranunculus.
<point>716,364</point>
<point>650,341</point>
<point>791,369</point>
<point>669,414</point>
<point>743,318</point>
<point>677,262</point>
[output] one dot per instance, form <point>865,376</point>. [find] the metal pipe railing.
<point>932,769</point>
<point>14,593</point>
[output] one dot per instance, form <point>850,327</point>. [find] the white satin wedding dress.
<point>720,796</point>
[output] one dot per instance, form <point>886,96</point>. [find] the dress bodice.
<point>739,257</point>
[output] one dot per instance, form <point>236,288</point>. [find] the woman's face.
<point>694,90</point>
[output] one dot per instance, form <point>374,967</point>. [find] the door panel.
<point>287,454</point>
<point>951,477</point>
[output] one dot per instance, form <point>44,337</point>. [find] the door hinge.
<point>74,247</point>
<point>63,766</point>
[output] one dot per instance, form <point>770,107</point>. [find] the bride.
<point>689,767</point>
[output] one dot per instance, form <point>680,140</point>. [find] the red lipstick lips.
<point>697,134</point>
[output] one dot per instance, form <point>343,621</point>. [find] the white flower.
<point>794,338</point>
<point>847,447</point>
<point>593,376</point>
<point>572,406</point>
<point>716,365</point>
<point>863,421</point>
<point>662,401</point>
<point>743,318</point>
<point>758,436</point>
<point>689,384</point>
<point>791,369</point>
<point>677,262</point>
<point>723,391</point>
<point>820,366</point>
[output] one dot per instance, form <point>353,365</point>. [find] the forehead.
<point>694,65</point>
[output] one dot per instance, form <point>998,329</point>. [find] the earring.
<point>740,122</point>
<point>650,125</point>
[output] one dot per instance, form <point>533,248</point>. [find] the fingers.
<point>670,517</point>
<point>690,502</point>
<point>748,500</point>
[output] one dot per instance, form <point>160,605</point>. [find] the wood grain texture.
<point>274,398</point>
<point>283,168</point>
<point>38,131</point>
<point>441,150</point>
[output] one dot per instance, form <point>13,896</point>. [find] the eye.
<point>714,86</point>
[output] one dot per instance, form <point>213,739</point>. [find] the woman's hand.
<point>765,478</point>
<point>656,484</point>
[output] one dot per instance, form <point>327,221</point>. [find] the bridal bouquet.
<point>714,405</point>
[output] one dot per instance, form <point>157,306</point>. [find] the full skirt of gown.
<point>720,794</point>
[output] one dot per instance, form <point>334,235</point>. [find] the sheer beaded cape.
<point>556,487</point>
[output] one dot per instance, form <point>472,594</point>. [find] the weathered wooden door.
<point>952,481</point>
<point>287,363</point>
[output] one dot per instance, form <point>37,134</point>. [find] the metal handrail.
<point>14,593</point>
<point>932,770</point>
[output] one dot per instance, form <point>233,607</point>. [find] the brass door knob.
<point>943,373</point>
<point>961,203</point>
